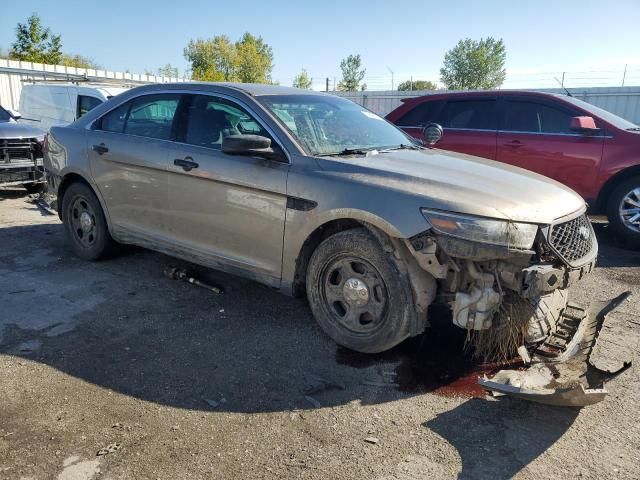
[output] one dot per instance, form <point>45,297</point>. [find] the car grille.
<point>19,149</point>
<point>572,240</point>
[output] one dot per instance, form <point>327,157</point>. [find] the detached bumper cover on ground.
<point>571,378</point>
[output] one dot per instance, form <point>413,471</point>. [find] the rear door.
<point>535,134</point>
<point>128,151</point>
<point>470,126</point>
<point>228,209</point>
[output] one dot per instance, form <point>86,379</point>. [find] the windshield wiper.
<point>402,146</point>
<point>633,129</point>
<point>346,151</point>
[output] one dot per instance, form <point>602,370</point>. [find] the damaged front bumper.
<point>562,371</point>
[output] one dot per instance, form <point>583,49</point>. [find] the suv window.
<point>536,117</point>
<point>421,115</point>
<point>210,119</point>
<point>86,103</point>
<point>469,114</point>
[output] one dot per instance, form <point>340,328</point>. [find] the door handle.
<point>514,144</point>
<point>100,149</point>
<point>186,163</point>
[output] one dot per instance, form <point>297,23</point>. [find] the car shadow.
<point>497,439</point>
<point>613,252</point>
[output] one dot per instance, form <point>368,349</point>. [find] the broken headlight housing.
<point>481,229</point>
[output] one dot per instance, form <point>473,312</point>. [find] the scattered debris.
<point>176,273</point>
<point>315,383</point>
<point>372,383</point>
<point>312,401</point>
<point>111,448</point>
<point>372,440</point>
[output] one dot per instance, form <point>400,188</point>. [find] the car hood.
<point>11,129</point>
<point>462,183</point>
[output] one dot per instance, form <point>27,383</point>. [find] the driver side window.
<point>210,119</point>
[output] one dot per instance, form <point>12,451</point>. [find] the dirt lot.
<point>244,385</point>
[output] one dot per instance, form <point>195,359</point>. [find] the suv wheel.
<point>623,211</point>
<point>357,294</point>
<point>85,225</point>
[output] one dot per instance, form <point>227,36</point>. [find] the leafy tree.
<point>168,71</point>
<point>35,43</point>
<point>417,85</point>
<point>474,64</point>
<point>303,80</point>
<point>78,61</point>
<point>216,59</point>
<point>352,74</point>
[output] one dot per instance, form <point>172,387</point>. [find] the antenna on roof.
<point>562,85</point>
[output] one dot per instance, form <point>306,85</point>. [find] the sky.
<point>591,41</point>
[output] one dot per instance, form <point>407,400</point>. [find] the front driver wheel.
<point>85,225</point>
<point>623,211</point>
<point>357,294</point>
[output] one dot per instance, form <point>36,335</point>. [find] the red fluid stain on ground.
<point>436,361</point>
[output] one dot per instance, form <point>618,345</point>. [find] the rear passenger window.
<point>210,119</point>
<point>152,116</point>
<point>421,115</point>
<point>469,114</point>
<point>115,119</point>
<point>534,117</point>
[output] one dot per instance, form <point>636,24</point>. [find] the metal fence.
<point>13,74</point>
<point>623,101</point>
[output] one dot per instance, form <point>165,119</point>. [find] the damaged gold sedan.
<point>311,193</point>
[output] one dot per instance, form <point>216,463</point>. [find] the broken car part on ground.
<point>309,192</point>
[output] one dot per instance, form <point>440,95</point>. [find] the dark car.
<point>20,154</point>
<point>593,151</point>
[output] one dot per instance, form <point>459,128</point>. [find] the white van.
<point>45,105</point>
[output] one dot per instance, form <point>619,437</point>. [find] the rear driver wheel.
<point>357,294</point>
<point>85,225</point>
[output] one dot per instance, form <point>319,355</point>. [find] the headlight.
<point>484,230</point>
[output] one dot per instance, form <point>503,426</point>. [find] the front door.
<point>128,154</point>
<point>536,135</point>
<point>226,210</point>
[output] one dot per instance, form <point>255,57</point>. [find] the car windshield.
<point>609,117</point>
<point>4,115</point>
<point>328,125</point>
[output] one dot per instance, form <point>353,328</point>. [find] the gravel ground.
<point>176,382</point>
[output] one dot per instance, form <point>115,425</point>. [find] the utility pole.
<point>562,82</point>
<point>326,88</point>
<point>411,84</point>
<point>391,77</point>
<point>624,75</point>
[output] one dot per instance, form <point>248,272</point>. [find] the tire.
<point>369,323</point>
<point>621,196</point>
<point>87,234</point>
<point>35,188</point>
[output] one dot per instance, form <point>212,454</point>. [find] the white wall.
<point>14,73</point>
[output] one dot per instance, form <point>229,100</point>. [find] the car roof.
<point>481,93</point>
<point>252,89</point>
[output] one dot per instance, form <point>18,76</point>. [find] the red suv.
<point>593,151</point>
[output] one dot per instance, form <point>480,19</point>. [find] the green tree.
<point>417,85</point>
<point>216,59</point>
<point>35,43</point>
<point>77,61</point>
<point>303,80</point>
<point>168,71</point>
<point>352,74</point>
<point>474,64</point>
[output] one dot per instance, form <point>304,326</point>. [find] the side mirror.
<point>584,125</point>
<point>432,133</point>
<point>249,145</point>
<point>15,114</point>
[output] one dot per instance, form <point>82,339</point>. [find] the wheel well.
<point>311,243</point>
<point>68,179</point>
<point>612,183</point>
